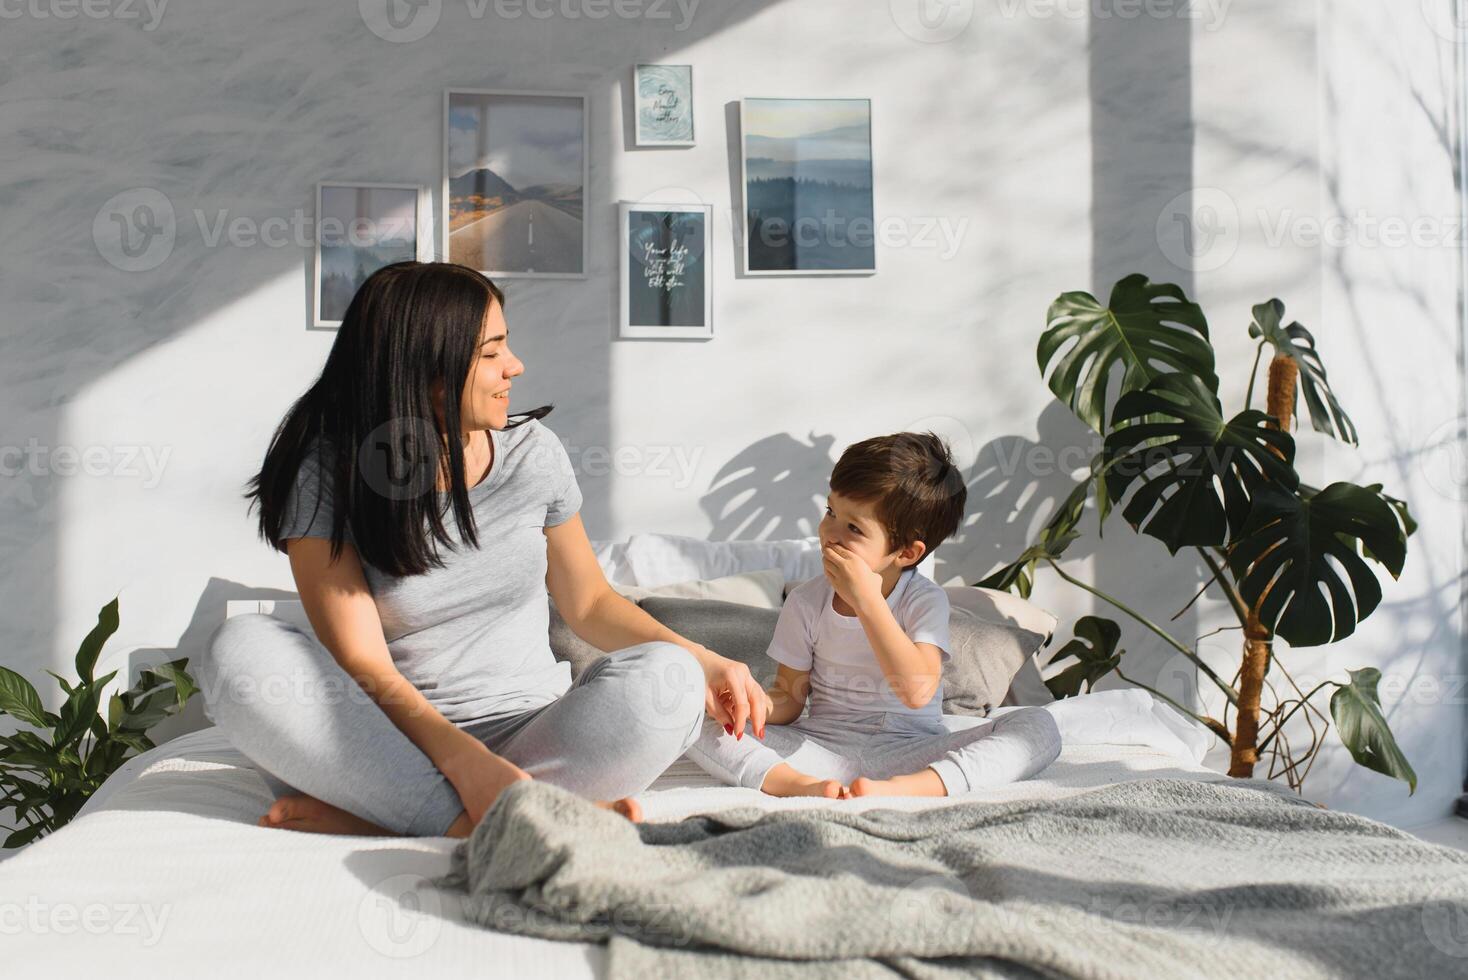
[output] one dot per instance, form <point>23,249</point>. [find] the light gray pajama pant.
<point>969,754</point>
<point>287,705</point>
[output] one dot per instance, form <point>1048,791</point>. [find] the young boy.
<point>867,642</point>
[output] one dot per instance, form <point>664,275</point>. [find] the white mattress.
<point>164,873</point>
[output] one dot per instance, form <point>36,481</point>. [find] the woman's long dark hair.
<point>411,324</point>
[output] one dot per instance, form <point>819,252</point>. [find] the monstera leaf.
<point>1148,330</point>
<point>1296,343</point>
<point>1292,547</point>
<point>1363,728</point>
<point>1094,647</point>
<point>1204,469</point>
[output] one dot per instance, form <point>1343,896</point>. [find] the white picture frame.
<point>551,207</point>
<point>676,83</point>
<point>329,293</point>
<point>759,265</point>
<point>643,287</point>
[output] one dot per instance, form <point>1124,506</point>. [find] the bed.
<point>167,862</point>
<point>164,872</point>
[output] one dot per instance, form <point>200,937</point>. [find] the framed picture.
<point>359,229</point>
<point>664,98</point>
<point>666,290</point>
<point>807,174</point>
<point>514,183</point>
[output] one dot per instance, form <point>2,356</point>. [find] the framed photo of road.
<point>514,183</point>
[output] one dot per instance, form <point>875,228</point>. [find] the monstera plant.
<point>1293,562</point>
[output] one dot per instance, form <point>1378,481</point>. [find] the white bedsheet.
<point>164,873</point>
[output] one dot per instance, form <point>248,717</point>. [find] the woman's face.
<point>486,399</point>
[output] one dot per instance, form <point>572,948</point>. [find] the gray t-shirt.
<point>473,636</point>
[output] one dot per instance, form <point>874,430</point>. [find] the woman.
<point>432,686</point>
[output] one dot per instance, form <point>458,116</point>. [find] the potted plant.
<point>1294,562</point>
<point>47,774</point>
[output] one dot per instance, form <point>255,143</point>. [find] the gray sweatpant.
<point>971,753</point>
<point>287,705</point>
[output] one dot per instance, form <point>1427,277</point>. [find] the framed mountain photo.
<point>359,229</point>
<point>807,176</point>
<point>514,183</point>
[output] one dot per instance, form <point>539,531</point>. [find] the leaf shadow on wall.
<point>775,489</point>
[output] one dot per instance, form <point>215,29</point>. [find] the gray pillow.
<point>566,645</point>
<point>992,663</point>
<point>731,629</point>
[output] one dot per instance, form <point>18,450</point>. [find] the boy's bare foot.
<point>783,780</point>
<point>925,783</point>
<point>307,813</point>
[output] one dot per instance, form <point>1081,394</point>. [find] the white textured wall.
<point>1049,144</point>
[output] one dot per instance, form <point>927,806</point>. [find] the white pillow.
<point>658,559</point>
<point>763,588</point>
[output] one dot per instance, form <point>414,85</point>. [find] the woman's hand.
<point>478,775</point>
<point>731,694</point>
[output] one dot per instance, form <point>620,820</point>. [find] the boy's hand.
<point>851,577</point>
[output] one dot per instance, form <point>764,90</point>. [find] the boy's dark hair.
<point>919,494</point>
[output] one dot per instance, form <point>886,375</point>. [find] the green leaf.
<point>183,683</point>
<point>25,741</point>
<point>1290,551</point>
<point>1296,343</point>
<point>1148,330</point>
<point>1205,469</point>
<point>79,710</point>
<point>65,685</point>
<point>86,654</point>
<point>1094,647</point>
<point>20,700</point>
<point>24,836</point>
<point>134,740</point>
<point>1356,709</point>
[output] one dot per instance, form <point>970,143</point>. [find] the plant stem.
<point>1212,724</point>
<point>1279,725</point>
<point>1229,592</point>
<point>1253,373</point>
<point>1166,637</point>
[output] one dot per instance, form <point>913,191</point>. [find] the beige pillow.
<point>762,588</point>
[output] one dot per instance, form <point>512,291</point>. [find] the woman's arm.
<point>342,612</point>
<point>609,621</point>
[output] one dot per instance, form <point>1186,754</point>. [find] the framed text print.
<point>664,99</point>
<point>665,267</point>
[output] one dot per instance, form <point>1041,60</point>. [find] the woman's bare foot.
<point>306,813</point>
<point>925,783</point>
<point>783,780</point>
<point>626,806</point>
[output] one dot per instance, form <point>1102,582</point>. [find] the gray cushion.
<point>736,631</point>
<point>566,645</point>
<point>992,663</point>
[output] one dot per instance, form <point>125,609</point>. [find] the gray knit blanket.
<point>1152,878</point>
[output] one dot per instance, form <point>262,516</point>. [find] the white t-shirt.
<point>845,677</point>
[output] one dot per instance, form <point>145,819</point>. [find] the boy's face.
<point>853,524</point>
